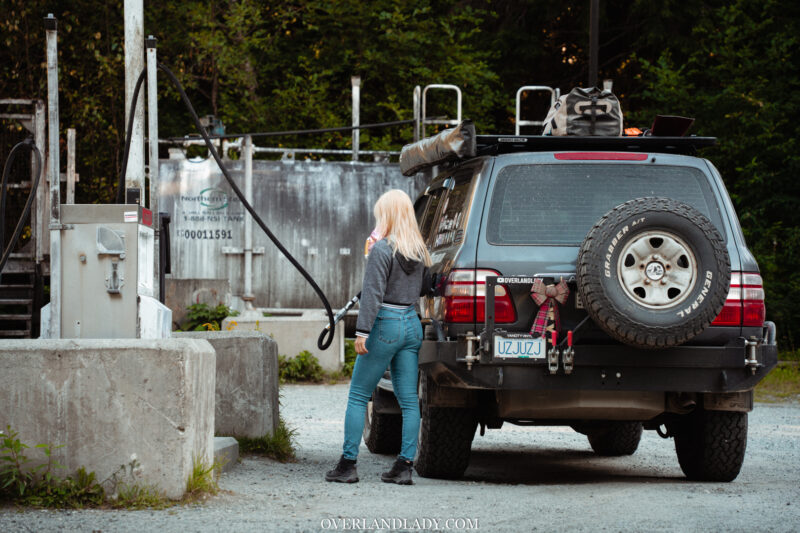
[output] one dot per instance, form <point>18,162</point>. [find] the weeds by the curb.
<point>278,446</point>
<point>202,483</point>
<point>23,483</point>
<point>305,367</point>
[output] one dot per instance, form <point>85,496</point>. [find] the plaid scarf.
<point>547,297</point>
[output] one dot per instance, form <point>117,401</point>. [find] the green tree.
<point>731,64</point>
<point>740,79</point>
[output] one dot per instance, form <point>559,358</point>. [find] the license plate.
<point>519,348</point>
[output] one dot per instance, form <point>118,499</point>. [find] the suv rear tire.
<point>445,437</point>
<point>618,438</point>
<point>653,272</point>
<point>711,445</point>
<point>382,432</point>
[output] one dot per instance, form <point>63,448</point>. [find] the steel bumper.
<point>607,367</point>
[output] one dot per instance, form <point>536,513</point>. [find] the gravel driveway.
<point>520,479</point>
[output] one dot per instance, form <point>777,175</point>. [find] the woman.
<point>388,334</point>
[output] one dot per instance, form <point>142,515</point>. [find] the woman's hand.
<point>361,345</point>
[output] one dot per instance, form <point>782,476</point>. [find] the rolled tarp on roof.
<point>451,144</point>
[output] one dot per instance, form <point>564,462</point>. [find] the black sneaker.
<point>400,473</point>
<point>345,472</point>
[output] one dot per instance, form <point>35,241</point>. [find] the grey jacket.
<point>388,279</point>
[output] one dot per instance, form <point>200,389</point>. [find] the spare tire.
<point>653,272</point>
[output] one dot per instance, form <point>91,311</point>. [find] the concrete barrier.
<point>247,381</point>
<point>181,293</point>
<point>295,330</point>
<point>109,401</point>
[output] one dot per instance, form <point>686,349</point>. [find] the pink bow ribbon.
<point>547,297</point>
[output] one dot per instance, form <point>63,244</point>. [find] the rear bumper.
<point>708,369</point>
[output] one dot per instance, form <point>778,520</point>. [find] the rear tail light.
<point>465,298</point>
<point>744,305</point>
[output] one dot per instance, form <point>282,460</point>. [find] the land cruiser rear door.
<point>540,206</point>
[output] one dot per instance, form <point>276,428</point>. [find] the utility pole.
<point>134,65</point>
<point>594,39</point>
<point>54,164</point>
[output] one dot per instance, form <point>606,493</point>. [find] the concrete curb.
<point>226,452</point>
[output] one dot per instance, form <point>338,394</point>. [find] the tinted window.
<point>559,204</point>
<point>450,228</point>
<point>419,208</point>
<point>430,213</point>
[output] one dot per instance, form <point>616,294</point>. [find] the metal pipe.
<point>356,83</point>
<point>417,111</point>
<point>533,88</point>
<point>40,210</point>
<point>70,166</point>
<point>51,30</point>
<point>248,296</point>
<point>594,39</point>
<point>446,122</point>
<point>152,132</point>
<point>134,64</point>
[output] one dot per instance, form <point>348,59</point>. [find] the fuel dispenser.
<point>107,274</point>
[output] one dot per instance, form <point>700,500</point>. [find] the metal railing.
<point>554,95</point>
<point>425,121</point>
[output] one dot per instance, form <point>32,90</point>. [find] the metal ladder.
<point>17,286</point>
<point>421,109</point>
<point>554,95</point>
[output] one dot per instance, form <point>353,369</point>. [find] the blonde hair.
<point>394,214</point>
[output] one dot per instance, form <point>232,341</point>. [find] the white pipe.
<point>447,122</point>
<point>134,64</point>
<point>356,83</point>
<point>55,178</point>
<point>417,111</point>
<point>532,88</point>
<point>71,166</point>
<point>152,132</point>
<point>247,296</point>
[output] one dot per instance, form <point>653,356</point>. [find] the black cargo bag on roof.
<point>585,112</point>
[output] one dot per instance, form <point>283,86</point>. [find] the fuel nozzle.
<point>552,354</point>
<point>568,355</point>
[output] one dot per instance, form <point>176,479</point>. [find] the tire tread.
<point>627,329</point>
<point>711,445</point>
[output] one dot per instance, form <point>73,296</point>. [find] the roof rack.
<point>504,144</point>
<point>461,143</point>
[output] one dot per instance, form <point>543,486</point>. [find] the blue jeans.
<point>394,343</point>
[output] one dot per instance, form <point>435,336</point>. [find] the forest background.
<point>734,65</point>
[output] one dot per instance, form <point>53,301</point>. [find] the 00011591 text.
<point>206,234</point>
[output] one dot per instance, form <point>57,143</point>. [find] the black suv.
<point>656,305</point>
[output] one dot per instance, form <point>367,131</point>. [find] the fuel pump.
<point>107,276</point>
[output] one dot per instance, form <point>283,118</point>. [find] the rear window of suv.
<point>559,204</point>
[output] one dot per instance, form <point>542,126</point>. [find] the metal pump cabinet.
<point>107,274</point>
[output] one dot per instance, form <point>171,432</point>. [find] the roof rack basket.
<point>554,94</point>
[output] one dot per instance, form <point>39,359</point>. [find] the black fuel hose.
<point>6,249</point>
<point>326,336</point>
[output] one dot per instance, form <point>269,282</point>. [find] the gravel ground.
<point>520,479</point>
